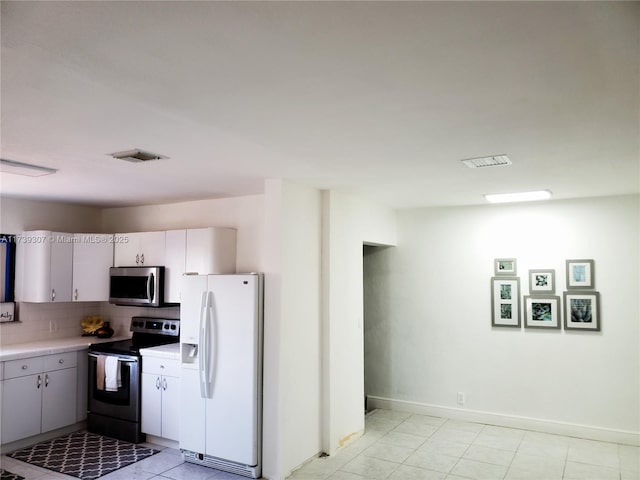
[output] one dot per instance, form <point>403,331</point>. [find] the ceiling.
<point>380,99</point>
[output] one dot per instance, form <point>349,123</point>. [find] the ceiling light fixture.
<point>491,161</point>
<point>26,169</point>
<point>518,197</point>
<point>136,155</point>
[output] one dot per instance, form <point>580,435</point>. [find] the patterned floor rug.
<point>82,454</point>
<point>4,475</point>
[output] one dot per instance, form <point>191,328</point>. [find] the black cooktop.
<point>147,332</point>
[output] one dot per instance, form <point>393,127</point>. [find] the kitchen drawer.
<point>161,366</point>
<point>60,361</point>
<point>23,367</point>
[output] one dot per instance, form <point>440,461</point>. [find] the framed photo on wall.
<point>580,274</point>
<point>505,302</point>
<point>504,266</point>
<point>582,311</point>
<point>542,311</point>
<point>542,281</point>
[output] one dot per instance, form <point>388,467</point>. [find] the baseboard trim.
<point>512,421</point>
<point>163,442</point>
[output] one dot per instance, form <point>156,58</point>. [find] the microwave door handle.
<point>150,289</point>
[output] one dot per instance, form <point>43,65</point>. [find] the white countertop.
<point>46,347</point>
<point>171,350</point>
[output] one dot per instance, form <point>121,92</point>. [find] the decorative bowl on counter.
<point>105,331</point>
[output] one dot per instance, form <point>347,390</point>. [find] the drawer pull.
<point>61,361</point>
<point>24,367</point>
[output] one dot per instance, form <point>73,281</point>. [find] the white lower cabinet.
<point>160,397</point>
<point>38,395</point>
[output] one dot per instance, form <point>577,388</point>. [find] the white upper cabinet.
<point>44,266</point>
<point>65,267</point>
<point>198,250</point>
<point>211,250</point>
<point>174,264</point>
<point>92,257</point>
<point>139,249</point>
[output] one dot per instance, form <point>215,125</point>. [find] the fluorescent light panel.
<point>518,197</point>
<point>19,168</point>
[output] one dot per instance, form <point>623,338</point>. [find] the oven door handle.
<point>120,358</point>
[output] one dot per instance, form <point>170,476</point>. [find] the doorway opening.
<point>377,354</point>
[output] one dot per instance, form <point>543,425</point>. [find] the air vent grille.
<point>483,162</point>
<point>136,155</point>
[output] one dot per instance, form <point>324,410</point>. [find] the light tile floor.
<point>402,446</point>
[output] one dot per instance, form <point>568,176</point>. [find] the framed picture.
<point>505,302</point>
<point>504,266</point>
<point>580,274</point>
<point>542,311</point>
<point>542,281</point>
<point>581,311</point>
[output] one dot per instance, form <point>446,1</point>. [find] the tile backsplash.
<point>43,321</point>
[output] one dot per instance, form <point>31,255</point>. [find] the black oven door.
<point>124,403</point>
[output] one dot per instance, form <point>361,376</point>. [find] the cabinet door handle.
<point>157,383</point>
<point>46,380</point>
<point>53,294</point>
<point>142,259</point>
<point>164,383</point>
<point>75,295</point>
<point>137,258</point>
<point>39,383</point>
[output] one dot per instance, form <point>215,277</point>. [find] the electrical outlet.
<point>461,398</point>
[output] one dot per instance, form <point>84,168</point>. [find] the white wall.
<point>18,215</point>
<point>348,223</point>
<point>243,213</point>
<point>292,326</point>
<point>429,331</point>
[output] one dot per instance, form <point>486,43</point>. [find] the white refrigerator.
<point>221,369</point>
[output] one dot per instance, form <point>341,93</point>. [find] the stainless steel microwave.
<point>138,286</point>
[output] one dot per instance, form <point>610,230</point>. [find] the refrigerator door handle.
<point>211,341</point>
<point>204,391</point>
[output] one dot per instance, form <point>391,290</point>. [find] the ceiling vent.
<point>492,161</point>
<point>136,155</point>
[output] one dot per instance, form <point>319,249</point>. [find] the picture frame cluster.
<point>542,308</point>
